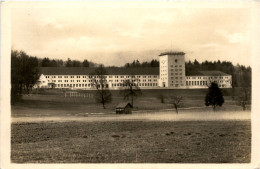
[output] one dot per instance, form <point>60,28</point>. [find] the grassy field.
<point>54,103</point>
<point>131,142</point>
<point>50,128</point>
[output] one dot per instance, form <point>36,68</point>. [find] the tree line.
<point>241,75</point>
<point>46,62</point>
<point>25,69</point>
<point>24,73</point>
<point>136,63</point>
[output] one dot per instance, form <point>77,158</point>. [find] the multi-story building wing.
<point>202,79</point>
<point>170,74</point>
<point>82,78</point>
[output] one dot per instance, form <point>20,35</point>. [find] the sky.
<point>115,35</point>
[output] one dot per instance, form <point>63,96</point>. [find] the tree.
<point>85,63</point>
<point>76,63</point>
<point>244,98</point>
<point>177,102</point>
<point>24,73</point>
<point>214,96</point>
<point>130,89</point>
<point>68,63</point>
<point>161,97</point>
<point>103,94</point>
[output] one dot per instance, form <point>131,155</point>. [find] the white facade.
<point>42,82</point>
<point>204,81</point>
<point>172,70</point>
<point>113,81</point>
<point>170,75</point>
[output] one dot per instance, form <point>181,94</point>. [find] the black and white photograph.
<point>110,84</point>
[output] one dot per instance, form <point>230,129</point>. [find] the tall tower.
<point>172,69</point>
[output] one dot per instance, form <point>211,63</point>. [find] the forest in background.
<point>241,75</point>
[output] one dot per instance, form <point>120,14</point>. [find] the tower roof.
<point>172,53</point>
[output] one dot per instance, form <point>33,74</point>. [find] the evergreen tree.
<point>85,63</point>
<point>214,96</point>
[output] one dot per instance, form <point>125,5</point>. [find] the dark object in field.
<point>214,96</point>
<point>124,108</point>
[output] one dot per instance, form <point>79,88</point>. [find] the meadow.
<point>54,102</point>
<point>131,142</point>
<point>48,127</point>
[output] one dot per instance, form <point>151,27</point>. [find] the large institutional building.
<point>170,75</point>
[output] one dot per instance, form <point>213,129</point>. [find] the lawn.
<point>131,142</point>
<point>50,128</point>
<point>54,102</point>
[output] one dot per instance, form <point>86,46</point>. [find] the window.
<point>176,60</point>
<point>59,76</point>
<point>71,76</point>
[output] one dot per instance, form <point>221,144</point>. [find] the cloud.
<point>107,34</point>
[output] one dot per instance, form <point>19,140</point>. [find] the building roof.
<point>123,105</point>
<point>207,73</point>
<point>119,71</point>
<point>110,71</point>
<point>172,53</point>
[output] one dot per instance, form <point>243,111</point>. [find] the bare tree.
<point>244,98</point>
<point>177,102</point>
<point>130,89</point>
<point>99,82</point>
<point>161,97</point>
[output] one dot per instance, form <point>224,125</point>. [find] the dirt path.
<point>162,116</point>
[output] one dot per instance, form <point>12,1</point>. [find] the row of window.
<point>206,77</point>
<point>197,83</point>
<point>176,65</point>
<point>136,84</point>
<point>176,77</point>
<point>137,80</point>
<point>137,76</point>
<point>177,82</point>
<point>176,74</point>
<point>113,85</point>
